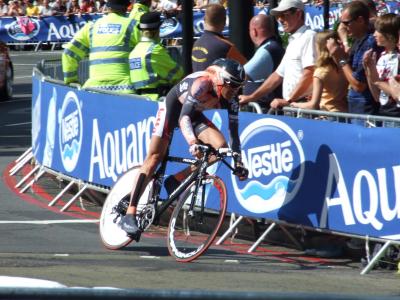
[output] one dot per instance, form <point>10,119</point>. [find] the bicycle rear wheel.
<point>114,208</point>
<point>191,232</point>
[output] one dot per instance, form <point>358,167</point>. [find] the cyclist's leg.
<point>166,121</point>
<point>157,150</point>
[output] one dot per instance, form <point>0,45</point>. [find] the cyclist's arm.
<point>196,93</point>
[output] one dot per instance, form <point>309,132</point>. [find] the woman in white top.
<point>387,66</point>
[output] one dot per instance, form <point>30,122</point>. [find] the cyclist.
<point>216,87</point>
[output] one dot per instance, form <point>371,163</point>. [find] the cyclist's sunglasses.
<point>232,84</point>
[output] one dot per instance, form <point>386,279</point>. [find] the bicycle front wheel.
<point>192,231</point>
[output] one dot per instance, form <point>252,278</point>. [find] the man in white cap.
<point>296,69</point>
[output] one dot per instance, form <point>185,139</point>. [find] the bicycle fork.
<point>198,190</point>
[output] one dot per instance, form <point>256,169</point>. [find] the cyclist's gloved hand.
<point>194,149</point>
<point>240,170</point>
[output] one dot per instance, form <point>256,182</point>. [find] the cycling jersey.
<point>188,99</point>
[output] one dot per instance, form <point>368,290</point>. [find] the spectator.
<point>88,7</point>
<point>107,42</point>
<point>58,7</point>
<point>3,8</point>
<point>45,10</point>
<point>73,8</point>
<point>355,17</point>
<point>212,45</point>
<point>30,9</point>
<point>266,59</point>
<point>295,72</point>
<point>342,29</point>
<point>153,72</point>
<point>139,8</point>
<point>101,6</point>
<point>379,72</point>
<point>168,7</point>
<point>330,86</point>
<point>14,9</point>
<point>200,4</point>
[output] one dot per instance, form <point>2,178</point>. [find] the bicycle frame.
<point>201,166</point>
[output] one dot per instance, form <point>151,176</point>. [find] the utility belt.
<point>161,90</point>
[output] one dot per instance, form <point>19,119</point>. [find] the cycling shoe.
<point>130,226</point>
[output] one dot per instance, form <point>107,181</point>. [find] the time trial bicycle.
<point>199,206</point>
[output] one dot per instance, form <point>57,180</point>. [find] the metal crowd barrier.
<point>52,70</point>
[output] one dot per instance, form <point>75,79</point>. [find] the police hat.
<point>118,4</point>
<point>150,20</point>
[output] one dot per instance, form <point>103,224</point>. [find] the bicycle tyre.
<point>187,244</point>
<point>112,236</point>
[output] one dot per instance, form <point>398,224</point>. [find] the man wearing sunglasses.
<point>355,18</point>
<point>295,71</point>
<point>216,87</point>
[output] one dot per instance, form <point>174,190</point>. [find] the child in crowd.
<point>329,83</point>
<point>378,72</point>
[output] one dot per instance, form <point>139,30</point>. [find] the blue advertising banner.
<point>62,29</point>
<point>46,29</point>
<point>335,176</point>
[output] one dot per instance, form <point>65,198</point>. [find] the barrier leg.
<point>23,154</point>
<point>230,229</point>
<point>377,256</point>
<point>261,238</point>
<point>38,46</point>
<point>291,237</point>
<point>70,202</point>
<point>27,176</point>
<point>21,163</point>
<point>37,176</point>
<point>60,194</point>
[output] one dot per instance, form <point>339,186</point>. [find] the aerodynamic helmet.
<point>232,72</point>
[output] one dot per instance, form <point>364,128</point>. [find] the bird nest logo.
<point>71,127</point>
<point>23,28</point>
<point>275,158</point>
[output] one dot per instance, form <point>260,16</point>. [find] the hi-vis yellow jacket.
<point>107,42</point>
<point>137,11</point>
<point>152,69</point>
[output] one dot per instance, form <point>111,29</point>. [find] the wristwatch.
<point>343,62</point>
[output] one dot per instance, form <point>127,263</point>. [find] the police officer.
<point>153,71</point>
<point>108,42</point>
<point>139,8</point>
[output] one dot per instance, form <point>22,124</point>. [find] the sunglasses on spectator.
<point>347,23</point>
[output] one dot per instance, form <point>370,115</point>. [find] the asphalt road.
<point>40,243</point>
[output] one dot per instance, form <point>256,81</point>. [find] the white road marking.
<point>231,261</point>
<point>25,282</point>
<point>17,124</point>
<point>47,222</point>
<point>22,77</point>
<point>61,254</point>
<point>150,256</point>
